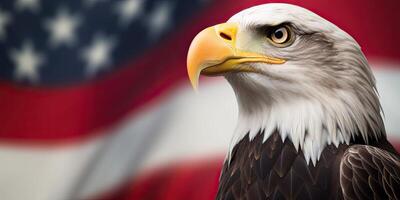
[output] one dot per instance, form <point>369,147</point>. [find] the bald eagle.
<point>310,122</point>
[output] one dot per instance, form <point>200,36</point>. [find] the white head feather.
<point>325,92</point>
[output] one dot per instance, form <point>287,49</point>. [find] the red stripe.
<point>43,114</point>
<point>194,181</point>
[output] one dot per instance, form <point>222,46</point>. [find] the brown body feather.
<point>275,170</point>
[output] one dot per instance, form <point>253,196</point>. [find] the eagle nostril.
<point>225,36</point>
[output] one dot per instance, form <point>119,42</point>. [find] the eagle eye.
<point>280,36</point>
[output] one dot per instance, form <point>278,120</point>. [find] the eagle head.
<point>293,72</point>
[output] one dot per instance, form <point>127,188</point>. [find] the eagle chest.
<point>275,170</point>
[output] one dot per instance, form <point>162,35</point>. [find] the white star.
<point>129,9</point>
<point>27,62</point>
<point>62,28</point>
<point>159,19</point>
<point>32,5</point>
<point>4,20</point>
<point>97,55</point>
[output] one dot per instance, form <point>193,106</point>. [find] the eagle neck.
<point>310,124</point>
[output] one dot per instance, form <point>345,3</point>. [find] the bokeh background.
<point>95,101</point>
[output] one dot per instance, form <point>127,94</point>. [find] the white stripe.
<point>182,126</point>
<point>80,170</point>
<point>202,124</point>
<point>32,173</point>
<point>388,84</point>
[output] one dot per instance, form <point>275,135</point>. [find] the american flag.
<point>95,103</point>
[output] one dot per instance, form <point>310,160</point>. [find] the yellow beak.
<point>213,52</point>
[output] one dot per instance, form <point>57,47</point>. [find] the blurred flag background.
<point>95,102</point>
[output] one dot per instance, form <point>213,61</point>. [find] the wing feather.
<point>368,172</point>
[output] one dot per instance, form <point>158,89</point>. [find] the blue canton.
<point>52,43</point>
